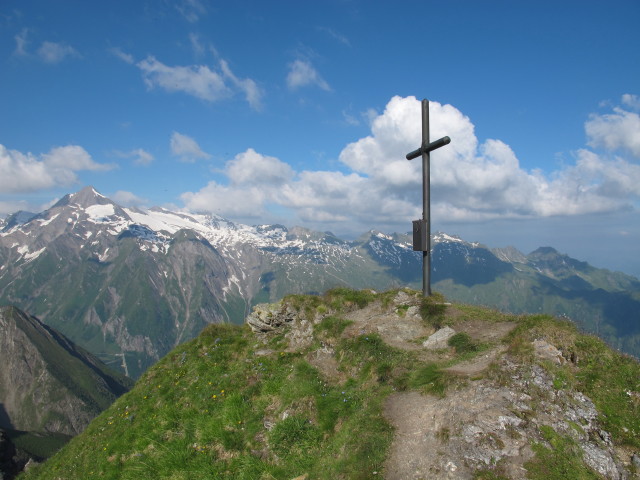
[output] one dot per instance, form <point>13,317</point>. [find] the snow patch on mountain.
<point>100,213</point>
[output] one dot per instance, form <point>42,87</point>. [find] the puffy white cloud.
<point>470,181</point>
<point>255,180</point>
<point>229,201</point>
<point>251,168</point>
<point>52,52</point>
<point>186,148</point>
<point>618,130</point>
<point>21,172</point>
<point>302,74</point>
<point>631,101</point>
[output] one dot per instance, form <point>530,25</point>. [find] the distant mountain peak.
<point>84,198</point>
<point>18,218</point>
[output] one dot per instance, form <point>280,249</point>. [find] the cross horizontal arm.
<point>429,148</point>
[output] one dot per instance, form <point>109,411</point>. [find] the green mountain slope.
<point>50,389</point>
<point>358,385</point>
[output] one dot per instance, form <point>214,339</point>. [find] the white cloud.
<point>140,156</point>
<point>191,10</point>
<point>21,43</point>
<point>251,168</point>
<point>197,46</point>
<point>128,199</point>
<point>470,181</point>
<point>631,101</point>
<point>335,35</point>
<point>9,207</point>
<point>125,57</point>
<point>196,80</point>
<point>250,89</point>
<point>51,52</point>
<point>617,130</point>
<point>302,74</point>
<point>199,81</point>
<point>21,172</point>
<point>186,148</point>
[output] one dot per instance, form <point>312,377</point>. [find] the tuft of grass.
<point>332,326</point>
<point>429,379</point>
<point>463,343</point>
<point>295,436</point>
<point>561,459</point>
<point>432,310</point>
<point>345,299</point>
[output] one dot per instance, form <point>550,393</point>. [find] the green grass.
<point>332,326</point>
<point>201,412</point>
<point>463,343</point>
<point>432,310</point>
<point>429,379</point>
<point>559,458</point>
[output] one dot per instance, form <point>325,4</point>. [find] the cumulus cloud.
<point>186,148</point>
<point>632,101</point>
<point>302,74</point>
<point>470,180</point>
<point>255,180</point>
<point>619,130</point>
<point>199,81</point>
<point>20,172</point>
<point>52,52</point>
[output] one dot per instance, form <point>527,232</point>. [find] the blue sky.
<point>301,113</point>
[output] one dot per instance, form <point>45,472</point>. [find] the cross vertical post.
<point>422,228</point>
<point>426,200</point>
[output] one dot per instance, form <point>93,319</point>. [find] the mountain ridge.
<point>131,284</point>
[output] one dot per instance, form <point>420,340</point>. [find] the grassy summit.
<point>327,394</point>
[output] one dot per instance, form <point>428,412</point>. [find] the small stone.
<point>439,339</point>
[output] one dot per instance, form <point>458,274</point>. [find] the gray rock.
<point>267,317</point>
<point>439,339</point>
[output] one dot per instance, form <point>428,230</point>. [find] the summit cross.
<point>422,227</point>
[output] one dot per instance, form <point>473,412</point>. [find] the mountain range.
<point>129,284</point>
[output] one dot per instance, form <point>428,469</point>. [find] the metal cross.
<point>422,228</point>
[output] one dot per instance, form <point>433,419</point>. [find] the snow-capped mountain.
<point>130,284</point>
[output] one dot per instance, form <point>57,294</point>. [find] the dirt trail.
<point>423,423</point>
